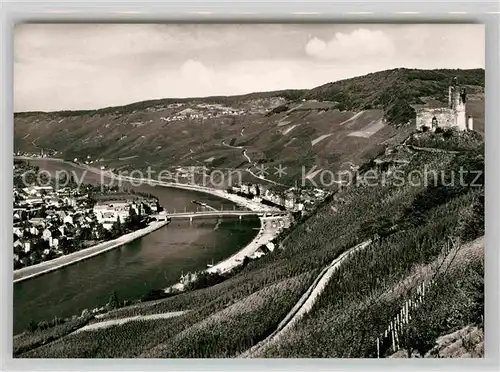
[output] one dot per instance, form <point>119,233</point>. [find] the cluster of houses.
<point>44,153</point>
<point>48,223</point>
<point>292,199</point>
<point>44,218</point>
<point>107,213</point>
<point>204,111</point>
<point>157,108</point>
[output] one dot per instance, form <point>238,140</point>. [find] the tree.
<point>116,228</point>
<point>147,208</point>
<point>113,301</point>
<point>43,325</point>
<point>32,326</point>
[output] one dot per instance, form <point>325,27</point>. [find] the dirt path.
<point>306,302</point>
<point>246,156</point>
<point>113,322</point>
<point>433,149</point>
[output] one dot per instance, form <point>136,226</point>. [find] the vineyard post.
<point>396,332</point>
<point>393,338</point>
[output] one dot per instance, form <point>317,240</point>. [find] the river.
<point>152,262</point>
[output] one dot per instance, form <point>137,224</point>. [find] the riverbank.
<point>269,230</point>
<point>265,235</point>
<point>239,200</point>
<point>72,258</point>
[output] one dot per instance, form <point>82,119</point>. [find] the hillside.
<point>417,233</point>
<point>331,127</point>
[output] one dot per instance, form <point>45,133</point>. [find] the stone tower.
<point>457,101</point>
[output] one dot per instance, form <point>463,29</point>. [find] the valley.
<point>341,273</point>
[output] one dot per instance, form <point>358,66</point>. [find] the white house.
<point>289,203</point>
<point>68,219</point>
<point>44,188</point>
<point>37,221</point>
<point>33,230</point>
<point>270,246</point>
<point>245,189</point>
<point>107,219</point>
<point>18,232</point>
<point>46,234</point>
<point>69,201</point>
<point>27,247</point>
<point>34,201</point>
<point>257,254</point>
<point>110,213</point>
<point>53,242</point>
<point>54,202</point>
<point>30,190</point>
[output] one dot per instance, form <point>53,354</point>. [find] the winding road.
<point>249,168</point>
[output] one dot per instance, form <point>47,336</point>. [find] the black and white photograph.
<point>225,190</point>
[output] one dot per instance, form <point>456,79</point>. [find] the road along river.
<point>154,261</point>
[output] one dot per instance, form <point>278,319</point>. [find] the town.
<point>293,199</point>
<point>50,222</point>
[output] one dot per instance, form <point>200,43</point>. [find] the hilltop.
<point>330,127</point>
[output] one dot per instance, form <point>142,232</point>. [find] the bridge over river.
<point>223,213</point>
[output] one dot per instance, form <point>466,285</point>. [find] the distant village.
<point>49,222</point>
<point>204,111</point>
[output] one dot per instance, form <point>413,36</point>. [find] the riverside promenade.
<point>266,234</point>
<point>57,263</point>
<point>269,230</point>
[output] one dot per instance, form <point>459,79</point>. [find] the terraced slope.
<point>354,122</point>
<point>409,224</point>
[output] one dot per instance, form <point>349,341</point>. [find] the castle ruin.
<point>455,115</point>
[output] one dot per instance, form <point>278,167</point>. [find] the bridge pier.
<point>191,219</point>
<point>239,217</point>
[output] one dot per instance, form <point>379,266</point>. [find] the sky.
<point>90,66</point>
